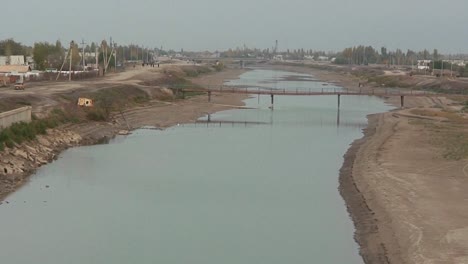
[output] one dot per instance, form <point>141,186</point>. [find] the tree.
<point>76,58</point>
<point>10,47</point>
<point>111,61</point>
<point>425,54</point>
<point>93,47</point>
<point>47,55</point>
<point>383,52</point>
<point>435,55</point>
<point>58,45</point>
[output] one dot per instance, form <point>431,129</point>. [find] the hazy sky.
<point>222,24</point>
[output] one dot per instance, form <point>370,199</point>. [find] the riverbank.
<point>404,182</point>
<point>21,161</point>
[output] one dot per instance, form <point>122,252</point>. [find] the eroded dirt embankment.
<point>405,186</point>
<point>22,160</point>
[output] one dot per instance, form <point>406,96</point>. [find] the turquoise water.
<point>239,192</point>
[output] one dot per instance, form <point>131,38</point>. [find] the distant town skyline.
<point>330,25</point>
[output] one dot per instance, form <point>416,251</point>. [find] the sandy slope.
<point>418,197</point>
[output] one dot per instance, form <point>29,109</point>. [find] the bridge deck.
<point>311,92</point>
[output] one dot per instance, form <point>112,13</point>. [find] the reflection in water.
<point>338,118</point>
<point>304,123</point>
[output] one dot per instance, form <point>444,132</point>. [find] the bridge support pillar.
<point>339,101</point>
<point>402,101</point>
<point>209,96</point>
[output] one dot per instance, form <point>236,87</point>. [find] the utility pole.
<point>451,65</point>
<point>83,54</point>
<point>442,67</point>
<point>72,43</point>
<point>433,66</point>
<point>97,57</point>
<point>115,57</point>
<point>123,55</point>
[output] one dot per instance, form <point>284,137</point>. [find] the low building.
<point>323,58</point>
<point>460,63</point>
<point>424,64</point>
<point>12,60</point>
<point>15,69</point>
<point>15,72</point>
<point>278,57</point>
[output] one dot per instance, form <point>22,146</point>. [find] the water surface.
<point>239,192</point>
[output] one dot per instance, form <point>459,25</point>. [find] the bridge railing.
<point>318,91</point>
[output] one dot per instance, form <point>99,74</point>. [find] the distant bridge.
<point>402,93</point>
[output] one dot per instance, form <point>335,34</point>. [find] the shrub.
<point>96,115</point>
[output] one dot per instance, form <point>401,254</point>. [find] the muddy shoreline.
<point>367,230</point>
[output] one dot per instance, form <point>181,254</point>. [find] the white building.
<point>424,64</point>
<point>460,63</point>
<point>12,60</point>
<point>278,57</point>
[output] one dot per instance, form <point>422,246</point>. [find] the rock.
<point>30,149</point>
<point>21,153</point>
<point>124,132</point>
<point>46,150</point>
<point>43,141</point>
<point>41,161</point>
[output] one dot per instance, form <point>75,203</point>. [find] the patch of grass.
<point>195,71</point>
<point>97,115</point>
<point>21,132</point>
<point>110,100</point>
<point>450,138</point>
<point>465,107</point>
<point>456,145</point>
<point>141,99</point>
<point>219,67</point>
<point>389,81</point>
<point>450,116</point>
